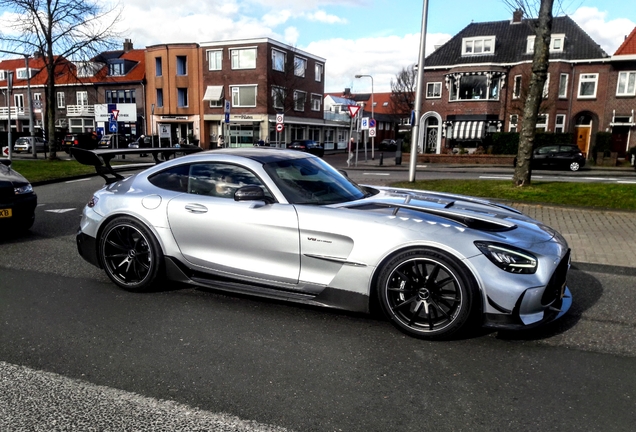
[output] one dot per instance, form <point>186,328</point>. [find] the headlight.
<point>509,258</point>
<point>24,189</point>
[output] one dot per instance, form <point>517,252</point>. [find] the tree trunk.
<point>540,63</point>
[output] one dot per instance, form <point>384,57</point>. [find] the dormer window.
<point>3,75</point>
<point>87,69</point>
<point>557,41</point>
<point>482,45</point>
<point>22,73</point>
<point>116,69</point>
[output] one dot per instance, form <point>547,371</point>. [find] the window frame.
<point>60,98</point>
<point>542,125</point>
<point>81,98</point>
<point>158,66</point>
<point>283,54</point>
<point>297,93</point>
<point>236,89</point>
<point>433,95</point>
<point>545,92</point>
<point>513,126</point>
<point>274,92</point>
<point>472,43</point>
<point>182,65</point>
<point>235,58</point>
<point>313,98</point>
<point>159,97</point>
<point>558,125</point>
<point>563,85</point>
<point>591,78</point>
<point>516,86</point>
<point>212,65</point>
<point>626,92</point>
<point>300,61</point>
<point>182,97</point>
<point>319,71</point>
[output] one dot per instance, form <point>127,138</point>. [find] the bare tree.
<point>403,91</point>
<point>540,62</point>
<point>59,30</point>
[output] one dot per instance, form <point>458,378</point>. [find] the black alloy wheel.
<point>130,255</point>
<point>426,293</point>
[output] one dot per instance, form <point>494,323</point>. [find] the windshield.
<point>312,181</point>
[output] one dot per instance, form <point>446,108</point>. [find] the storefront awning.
<point>468,130</point>
<point>213,93</point>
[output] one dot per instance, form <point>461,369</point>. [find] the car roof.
<point>263,155</point>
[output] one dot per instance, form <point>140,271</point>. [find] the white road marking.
<point>627,181</point>
<point>377,174</point>
<point>78,180</point>
<point>60,210</point>
<point>496,177</point>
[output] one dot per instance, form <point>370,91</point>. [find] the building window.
<point>116,69</point>
<point>82,98</point>
<point>469,87</point>
<point>159,98</point>
<point>244,96</point>
<point>22,73</point>
<point>587,86</point>
<point>3,75</point>
<point>37,96</point>
<point>542,123</point>
<point>243,58</point>
<point>320,68</point>
<point>559,123</point>
<point>120,96</point>
<point>516,90</point>
<point>278,60</point>
<point>182,65</point>
<point>182,97</point>
<point>215,59</point>
<point>316,102</point>
<point>556,43</point>
<point>563,86</point>
<point>513,123</point>
<point>18,101</point>
<point>478,45</point>
<point>433,90</point>
<point>278,97</point>
<point>299,100</point>
<point>546,87</point>
<point>60,100</point>
<point>626,84</point>
<point>158,67</point>
<point>300,66</point>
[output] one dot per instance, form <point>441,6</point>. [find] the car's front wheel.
<point>130,255</point>
<point>427,293</point>
<point>574,166</point>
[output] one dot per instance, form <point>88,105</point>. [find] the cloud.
<point>608,34</point>
<point>322,16</point>
<point>381,57</point>
<point>275,18</point>
<point>291,36</point>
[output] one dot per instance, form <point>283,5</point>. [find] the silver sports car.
<point>287,225</point>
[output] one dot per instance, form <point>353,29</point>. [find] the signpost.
<point>280,126</point>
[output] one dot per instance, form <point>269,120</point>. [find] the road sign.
<point>371,123</point>
<point>280,127</point>
<point>372,132</point>
<point>227,117</point>
<point>226,108</point>
<point>115,114</point>
<point>280,118</point>
<point>112,126</point>
<point>364,125</point>
<point>5,151</point>
<point>353,110</point>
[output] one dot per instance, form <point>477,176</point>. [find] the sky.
<point>374,37</point>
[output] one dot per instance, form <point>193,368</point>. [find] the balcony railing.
<point>80,110</point>
<point>343,117</point>
<point>15,112</point>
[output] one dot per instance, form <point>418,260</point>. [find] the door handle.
<point>196,208</point>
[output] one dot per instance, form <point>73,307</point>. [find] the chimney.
<point>128,45</point>
<point>517,16</point>
<point>347,92</point>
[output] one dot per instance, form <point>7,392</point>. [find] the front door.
<point>620,135</point>
<point>583,138</point>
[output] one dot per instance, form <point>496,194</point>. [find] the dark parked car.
<point>113,142</point>
<point>557,156</point>
<point>84,140</point>
<point>17,199</point>
<point>24,144</point>
<point>308,146</point>
<point>388,145</point>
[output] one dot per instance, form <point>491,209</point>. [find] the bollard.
<point>398,157</point>
<point>381,159</point>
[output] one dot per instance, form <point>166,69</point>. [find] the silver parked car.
<point>287,225</point>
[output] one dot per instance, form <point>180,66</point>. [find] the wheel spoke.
<point>416,313</point>
<point>404,303</point>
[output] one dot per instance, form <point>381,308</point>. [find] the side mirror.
<point>5,162</point>
<point>250,193</point>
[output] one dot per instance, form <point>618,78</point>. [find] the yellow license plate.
<point>5,213</point>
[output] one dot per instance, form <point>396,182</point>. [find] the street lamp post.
<point>372,115</point>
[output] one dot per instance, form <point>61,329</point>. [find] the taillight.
<point>75,142</point>
<point>93,202</point>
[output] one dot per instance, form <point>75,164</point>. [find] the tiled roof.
<point>628,47</point>
<point>510,43</point>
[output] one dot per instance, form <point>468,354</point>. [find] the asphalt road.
<point>77,353</point>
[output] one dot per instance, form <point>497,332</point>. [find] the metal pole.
<point>373,117</point>
<point>31,119</point>
<point>418,95</point>
<point>9,88</point>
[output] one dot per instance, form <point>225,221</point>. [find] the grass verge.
<point>43,170</point>
<point>594,195</point>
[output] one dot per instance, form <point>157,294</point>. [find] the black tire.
<point>130,255</point>
<point>427,293</point>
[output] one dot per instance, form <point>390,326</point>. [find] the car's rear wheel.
<point>426,293</point>
<point>574,166</point>
<point>130,255</point>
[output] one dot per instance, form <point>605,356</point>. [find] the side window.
<point>221,180</point>
<point>174,179</point>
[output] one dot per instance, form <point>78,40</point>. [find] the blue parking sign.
<point>112,126</point>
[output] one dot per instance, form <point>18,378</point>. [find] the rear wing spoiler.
<point>101,159</point>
